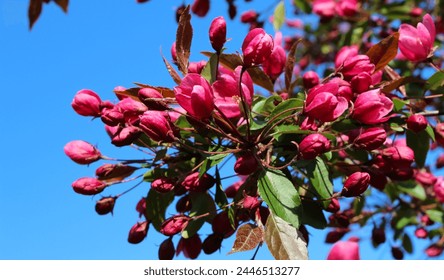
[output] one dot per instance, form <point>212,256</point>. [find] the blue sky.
<point>96,46</point>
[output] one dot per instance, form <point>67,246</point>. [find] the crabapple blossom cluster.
<point>313,151</point>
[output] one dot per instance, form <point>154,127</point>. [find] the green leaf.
<point>209,72</point>
<point>220,196</point>
<point>280,195</point>
<point>210,162</point>
<point>430,132</point>
<point>313,214</point>
<point>319,177</point>
<point>435,215</point>
<point>398,104</point>
<point>303,5</point>
<point>435,81</point>
<point>156,205</point>
<point>413,189</point>
<point>384,52</point>
<point>420,144</point>
<point>202,203</point>
<point>407,243</point>
<point>279,16</point>
<point>284,108</point>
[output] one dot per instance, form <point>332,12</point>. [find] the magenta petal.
<point>430,25</point>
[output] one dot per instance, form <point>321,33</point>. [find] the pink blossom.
<point>87,103</point>
<point>356,184</point>
<point>371,107</point>
<point>344,250</point>
<point>257,47</point>
<point>274,65</point>
<point>313,145</point>
<point>156,125</point>
<point>218,33</point>
<point>82,152</point>
<point>416,44</point>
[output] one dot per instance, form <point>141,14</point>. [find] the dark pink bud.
<point>112,116</point>
<point>416,44</point>
<point>425,178</point>
<point>174,225</point>
<point>196,67</point>
<point>274,65</point>
<point>354,65</point>
<point>378,235</point>
<point>82,152</point>
<point>314,145</point>
<point>152,98</point>
<point>334,206</point>
<point>190,247</point>
<point>88,186</point>
<point>245,164</point>
<point>105,205</point>
<point>361,82</point>
<point>324,103</point>
<point>399,156</point>
<point>344,250</point>
<point>156,125</point>
<point>344,53</point>
<point>231,190</point>
<point>310,79</point>
<point>124,136</point>
<point>163,185</point>
<point>194,94</point>
<point>434,250</point>
<point>212,243</point>
<point>138,232</point>
<point>196,183</point>
<point>141,206</point>
<point>415,12</point>
<point>87,103</point>
<point>426,221</point>
<point>356,184</point>
<point>371,107</point>
<point>221,225</point>
<point>257,47</point>
<point>421,233</point>
<point>367,139</point>
<point>335,235</point>
<point>114,172</point>
<point>166,250</point>
<point>184,204</point>
<point>249,16</point>
<point>397,253</point>
<point>218,33</point>
<point>174,52</point>
<point>200,7</point>
<point>250,202</point>
<point>440,161</point>
<point>130,108</point>
<point>417,123</point>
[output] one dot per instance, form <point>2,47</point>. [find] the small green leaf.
<point>413,189</point>
<point>319,177</point>
<point>435,215</point>
<point>420,144</point>
<point>210,162</point>
<point>303,5</point>
<point>279,16</point>
<point>202,203</point>
<point>281,196</point>
<point>407,243</point>
<point>209,72</point>
<point>156,205</point>
<point>220,196</point>
<point>435,81</point>
<point>430,132</point>
<point>287,107</point>
<point>398,104</point>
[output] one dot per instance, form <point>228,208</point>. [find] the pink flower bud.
<point>438,189</point>
<point>425,178</point>
<point>417,123</point>
<point>347,8</point>
<point>141,207</point>
<point>196,183</point>
<point>356,184</point>
<point>174,52</point>
<point>163,185</point>
<point>82,152</point>
<point>257,47</point>
<point>367,139</point>
<point>245,164</point>
<point>361,82</point>
<point>335,235</point>
<point>310,79</point>
<point>166,250</point>
<point>416,44</point>
<point>421,233</point>
<point>123,136</point>
<point>249,16</point>
<point>324,103</point>
<point>174,225</point>
<point>334,206</point>
<point>87,103</point>
<point>138,232</point>
<point>212,243</point>
<point>114,172</point>
<point>397,253</point>
<point>415,12</point>
<point>274,65</point>
<point>105,205</point>
<point>221,225</point>
<point>354,65</point>
<point>250,202</point>
<point>326,9</point>
<point>399,156</point>
<point>313,145</point>
<point>200,7</point>
<point>152,98</point>
<point>434,250</point>
<point>190,247</point>
<point>196,67</point>
<point>371,107</point>
<point>378,235</point>
<point>157,126</point>
<point>88,186</point>
<point>231,191</point>
<point>440,161</point>
<point>344,53</point>
<point>344,250</point>
<point>218,33</point>
<point>194,94</point>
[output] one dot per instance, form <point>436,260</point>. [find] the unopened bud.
<point>88,186</point>
<point>174,225</point>
<point>138,232</point>
<point>356,184</point>
<point>190,247</point>
<point>196,183</point>
<point>257,47</point>
<point>82,152</point>
<point>417,123</point>
<point>245,164</point>
<point>163,185</point>
<point>166,250</point>
<point>314,145</point>
<point>212,243</point>
<point>218,33</point>
<point>105,205</point>
<point>87,103</point>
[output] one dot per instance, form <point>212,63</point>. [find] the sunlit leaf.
<point>384,52</point>
<point>320,179</point>
<point>209,72</point>
<point>435,81</point>
<point>279,16</point>
<point>184,37</point>
<point>289,64</point>
<point>34,11</point>
<point>420,144</point>
<point>248,237</point>
<point>173,73</point>
<point>284,241</point>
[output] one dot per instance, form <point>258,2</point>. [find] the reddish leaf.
<point>395,76</point>
<point>34,10</point>
<point>248,237</point>
<point>129,92</point>
<point>289,64</point>
<point>231,61</point>
<point>397,83</point>
<point>184,36</point>
<point>384,52</point>
<point>172,71</point>
<point>166,92</point>
<point>63,4</point>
